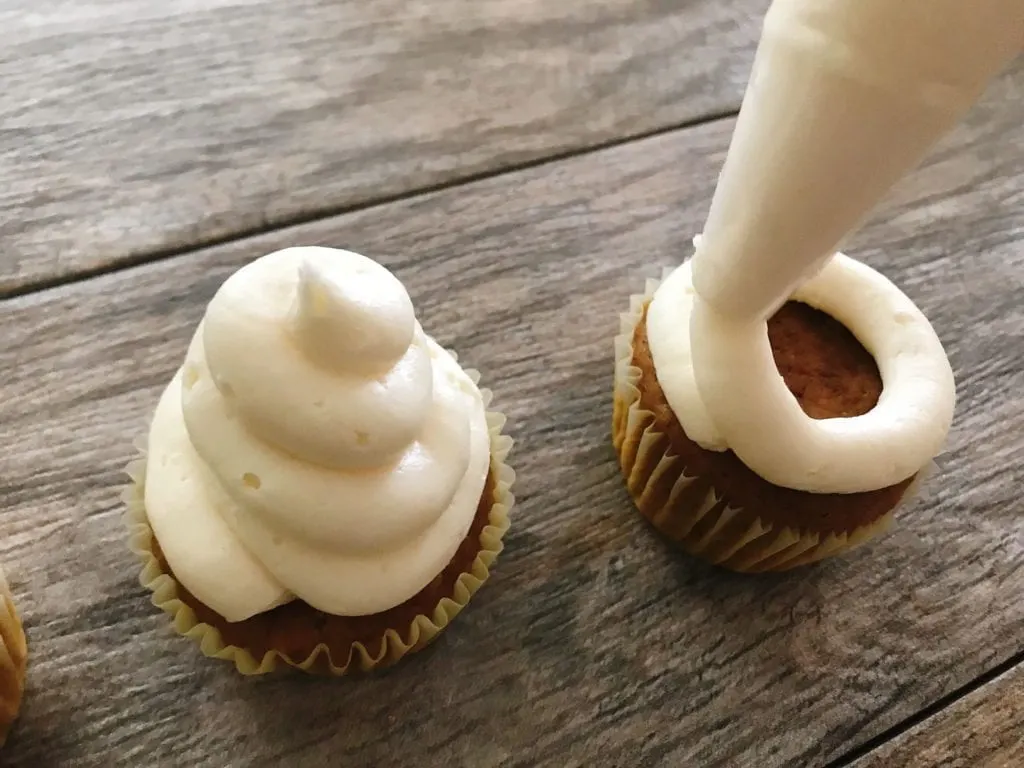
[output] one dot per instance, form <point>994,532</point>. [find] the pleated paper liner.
<point>394,643</point>
<point>13,658</point>
<point>710,528</point>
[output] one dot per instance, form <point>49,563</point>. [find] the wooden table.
<point>522,166</point>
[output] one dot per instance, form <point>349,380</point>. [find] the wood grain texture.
<point>982,730</point>
<point>593,644</point>
<point>131,128</point>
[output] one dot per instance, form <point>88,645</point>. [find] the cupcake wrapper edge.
<point>13,658</point>
<point>397,642</point>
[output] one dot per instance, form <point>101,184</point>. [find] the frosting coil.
<point>334,451</point>
<point>720,378</point>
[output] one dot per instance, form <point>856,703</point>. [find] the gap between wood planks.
<point>926,713</point>
<point>373,202</point>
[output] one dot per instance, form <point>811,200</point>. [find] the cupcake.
<point>776,400</point>
<point>322,484</point>
<point>708,458</point>
<point>13,657</point>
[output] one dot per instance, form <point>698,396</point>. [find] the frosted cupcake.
<point>775,401</point>
<point>323,484</point>
<point>769,508</point>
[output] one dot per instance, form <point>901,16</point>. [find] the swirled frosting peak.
<point>322,446</point>
<point>347,314</point>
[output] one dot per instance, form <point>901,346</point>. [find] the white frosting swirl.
<point>315,444</point>
<point>720,379</point>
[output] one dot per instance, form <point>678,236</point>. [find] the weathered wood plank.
<point>982,730</point>
<point>594,644</point>
<point>131,128</point>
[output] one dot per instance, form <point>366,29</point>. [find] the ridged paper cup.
<point>13,659</point>
<point>396,642</point>
<point>710,529</point>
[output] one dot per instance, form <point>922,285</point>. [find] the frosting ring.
<point>844,98</point>
<point>723,385</point>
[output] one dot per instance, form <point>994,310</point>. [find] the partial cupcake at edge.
<point>322,484</point>
<point>13,660</point>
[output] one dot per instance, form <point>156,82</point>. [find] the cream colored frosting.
<point>721,381</point>
<point>845,97</point>
<point>315,444</point>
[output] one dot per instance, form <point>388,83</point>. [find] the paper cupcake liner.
<point>397,642</point>
<point>13,657</point>
<point>714,531</point>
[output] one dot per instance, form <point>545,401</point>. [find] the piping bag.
<point>845,97</point>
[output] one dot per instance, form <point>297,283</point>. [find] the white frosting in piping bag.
<point>846,97</point>
<point>315,444</point>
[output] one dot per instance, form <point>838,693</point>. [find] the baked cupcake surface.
<point>697,492</point>
<point>323,483</point>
